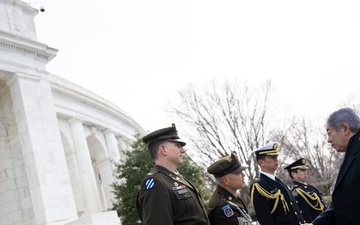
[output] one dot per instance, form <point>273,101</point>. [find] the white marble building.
<point>57,140</point>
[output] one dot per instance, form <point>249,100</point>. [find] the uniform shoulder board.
<point>256,181</point>
<point>152,172</point>
<point>262,183</point>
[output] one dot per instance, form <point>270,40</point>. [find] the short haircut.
<point>154,148</point>
<point>295,171</point>
<point>262,157</point>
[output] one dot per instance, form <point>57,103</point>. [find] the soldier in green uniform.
<point>225,206</point>
<point>165,196</point>
<point>273,201</point>
<point>308,198</point>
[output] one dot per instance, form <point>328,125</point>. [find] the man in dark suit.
<point>273,201</point>
<point>225,206</point>
<point>308,198</point>
<point>165,196</point>
<point>343,129</point>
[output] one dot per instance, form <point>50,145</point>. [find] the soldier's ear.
<point>260,162</point>
<point>162,149</point>
<point>225,180</point>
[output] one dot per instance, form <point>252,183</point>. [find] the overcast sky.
<point>138,54</point>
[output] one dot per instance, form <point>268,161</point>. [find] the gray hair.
<point>344,115</point>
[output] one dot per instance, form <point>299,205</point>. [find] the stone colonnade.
<point>66,162</point>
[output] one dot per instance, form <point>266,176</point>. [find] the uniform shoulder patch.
<point>149,183</point>
<point>227,210</point>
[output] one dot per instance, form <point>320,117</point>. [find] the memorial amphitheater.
<point>57,139</point>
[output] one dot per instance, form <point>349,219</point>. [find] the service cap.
<point>226,165</point>
<point>298,164</point>
<point>164,134</point>
<point>269,149</point>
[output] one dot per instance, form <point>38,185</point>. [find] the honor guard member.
<point>225,206</point>
<point>308,198</point>
<point>165,197</point>
<point>273,201</point>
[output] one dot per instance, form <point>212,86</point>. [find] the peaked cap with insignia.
<point>165,134</point>
<point>270,149</point>
<point>226,165</point>
<point>298,164</point>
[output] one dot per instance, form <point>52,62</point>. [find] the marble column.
<point>85,166</point>
<point>51,198</point>
<point>107,166</point>
<point>106,171</point>
<point>112,145</point>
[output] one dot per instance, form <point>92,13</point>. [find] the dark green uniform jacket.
<point>345,207</point>
<point>221,211</point>
<point>274,203</point>
<point>309,200</point>
<point>168,199</point>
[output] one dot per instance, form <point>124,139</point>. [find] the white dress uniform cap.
<point>268,149</point>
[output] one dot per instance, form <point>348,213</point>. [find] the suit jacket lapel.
<point>348,159</point>
<point>271,182</point>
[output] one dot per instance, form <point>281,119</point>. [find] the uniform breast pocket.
<point>186,203</point>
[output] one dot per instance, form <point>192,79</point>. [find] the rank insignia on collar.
<point>150,183</point>
<point>228,210</point>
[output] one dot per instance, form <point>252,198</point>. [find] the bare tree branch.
<point>225,117</point>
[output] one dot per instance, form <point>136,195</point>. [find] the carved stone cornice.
<point>26,46</point>
<point>24,50</point>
